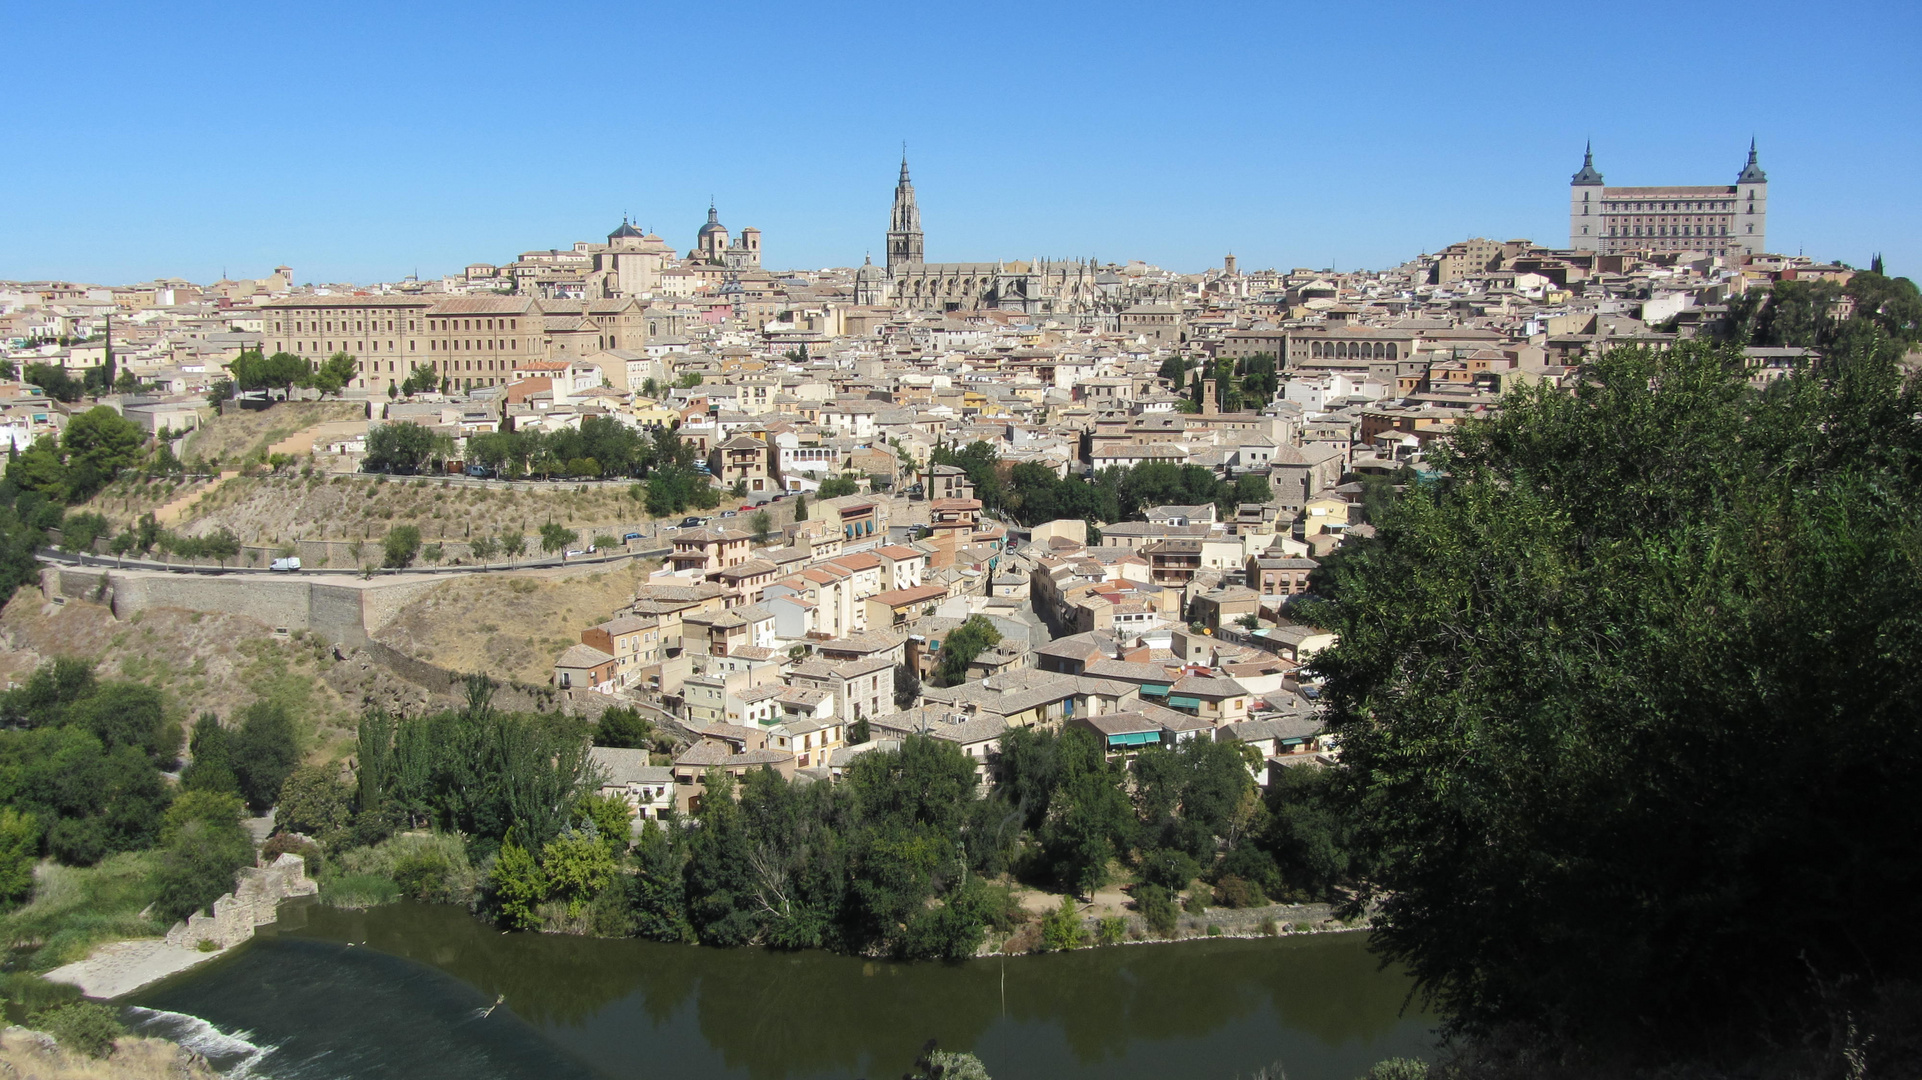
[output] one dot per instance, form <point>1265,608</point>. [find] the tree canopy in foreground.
<point>1628,702</point>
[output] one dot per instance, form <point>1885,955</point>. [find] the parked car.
<point>693,522</point>
<point>481,472</point>
<point>630,537</point>
<point>730,513</point>
<point>286,564</point>
<point>573,552</point>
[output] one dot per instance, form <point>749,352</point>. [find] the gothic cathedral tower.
<point>904,227</point>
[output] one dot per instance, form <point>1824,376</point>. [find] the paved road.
<point>66,558</point>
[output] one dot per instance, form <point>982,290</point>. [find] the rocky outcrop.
<point>258,891</point>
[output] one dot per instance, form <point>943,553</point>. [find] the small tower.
<point>1585,205</point>
<point>1751,206</point>
<point>711,243</point>
<point>904,225</point>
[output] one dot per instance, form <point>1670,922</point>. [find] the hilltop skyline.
<point>346,147</point>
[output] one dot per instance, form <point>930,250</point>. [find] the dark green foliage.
<point>475,770</point>
<point>54,379</point>
<point>1157,907</point>
<point>264,751</point>
<point>961,646</point>
<point>400,547</point>
<point>1308,840</point>
<point>83,1027</point>
<point>623,725</point>
<point>980,462</point>
<point>81,761</point>
<point>1170,868</point>
<point>836,486</point>
<point>79,531</point>
<point>404,447</point>
<point>1644,666</point>
<point>199,867</point>
<point>19,847</point>
<point>558,537</point>
<point>1089,820</point>
<point>212,767</point>
<point>1188,796</point>
<point>314,801</point>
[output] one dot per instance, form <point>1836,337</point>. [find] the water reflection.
<point>642,1008</point>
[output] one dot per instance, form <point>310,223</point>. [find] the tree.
<point>519,886</point>
<point>800,508</point>
<point>513,545</point>
<point>962,645</point>
<point>420,380</point>
<point>314,801</point>
<point>54,379</point>
<point>835,487</point>
<point>604,541</point>
<point>624,726</point>
<point>433,553</point>
<point>403,447</point>
<point>400,546</point>
<point>220,393</point>
<point>220,546</point>
<point>19,846</point>
<point>264,751</point>
<point>761,522</point>
<point>482,548</point>
<point>557,537</point>
<point>99,443</point>
<point>199,867</point>
<point>1574,682</point>
<point>337,372</point>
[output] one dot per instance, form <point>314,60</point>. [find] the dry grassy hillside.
<point>510,627</point>
<point>242,433</point>
<point>276,508</point>
<point>204,662</point>
<point>34,1054</point>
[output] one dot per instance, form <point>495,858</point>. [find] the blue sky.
<point>359,142</point>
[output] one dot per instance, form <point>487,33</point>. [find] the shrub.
<point>359,891</point>
<point>1157,909</point>
<point>1270,927</point>
<point>624,726</point>
<point>315,801</point>
<point>1213,930</point>
<point>19,844</point>
<point>198,867</point>
<point>265,752</point>
<point>422,866</point>
<point>1196,904</point>
<point>1399,1069</point>
<point>1062,928</point>
<point>283,843</point>
<point>1169,868</point>
<point>84,1027</point>
<point>1111,931</point>
<point>1235,892</point>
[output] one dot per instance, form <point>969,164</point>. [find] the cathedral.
<point>1035,287</point>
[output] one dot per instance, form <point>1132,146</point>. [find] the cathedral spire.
<point>904,224</point>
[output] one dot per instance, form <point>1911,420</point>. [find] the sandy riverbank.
<point>121,967</point>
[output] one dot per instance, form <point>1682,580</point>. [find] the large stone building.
<point>1037,286</point>
<point>1730,220</point>
<point>712,245</point>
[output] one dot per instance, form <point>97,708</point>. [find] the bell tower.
<point>904,225</point>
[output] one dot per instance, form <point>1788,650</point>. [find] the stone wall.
<point>344,612</point>
<point>254,902</point>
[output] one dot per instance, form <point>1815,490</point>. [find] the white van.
<point>287,564</point>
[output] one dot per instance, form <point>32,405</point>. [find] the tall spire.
<point>1752,172</point>
<point>904,224</point>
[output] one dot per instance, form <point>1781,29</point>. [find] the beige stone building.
<point>1728,220</point>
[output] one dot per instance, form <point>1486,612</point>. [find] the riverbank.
<point>119,968</point>
<point>36,1054</point>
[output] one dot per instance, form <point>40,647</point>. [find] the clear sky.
<point>360,141</point>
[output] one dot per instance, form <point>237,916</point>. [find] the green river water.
<point>406,991</point>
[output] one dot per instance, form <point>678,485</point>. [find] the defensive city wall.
<point>345,611</point>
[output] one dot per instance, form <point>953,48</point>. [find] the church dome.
<point>713,223</point>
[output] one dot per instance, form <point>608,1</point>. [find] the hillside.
<point>204,662</point>
<point>511,628</point>
<point>241,433</point>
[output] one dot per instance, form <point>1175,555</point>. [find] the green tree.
<point>99,443</point>
<point>87,1028</point>
<point>314,801</point>
<point>19,846</point>
<point>404,447</point>
<point>624,726</point>
<point>264,751</point>
<point>836,486</point>
<point>557,537</point>
<point>198,867</point>
<point>1062,928</point>
<point>401,546</point>
<point>800,508</point>
<point>1575,680</point>
<point>336,372</point>
<point>762,523</point>
<point>576,866</point>
<point>482,548</point>
<point>513,545</point>
<point>961,646</point>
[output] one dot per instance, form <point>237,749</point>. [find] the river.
<point>427,992</point>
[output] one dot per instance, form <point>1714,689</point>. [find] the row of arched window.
<point>1352,350</point>
<point>1670,230</point>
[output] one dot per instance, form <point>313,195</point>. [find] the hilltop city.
<point>940,498</point>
